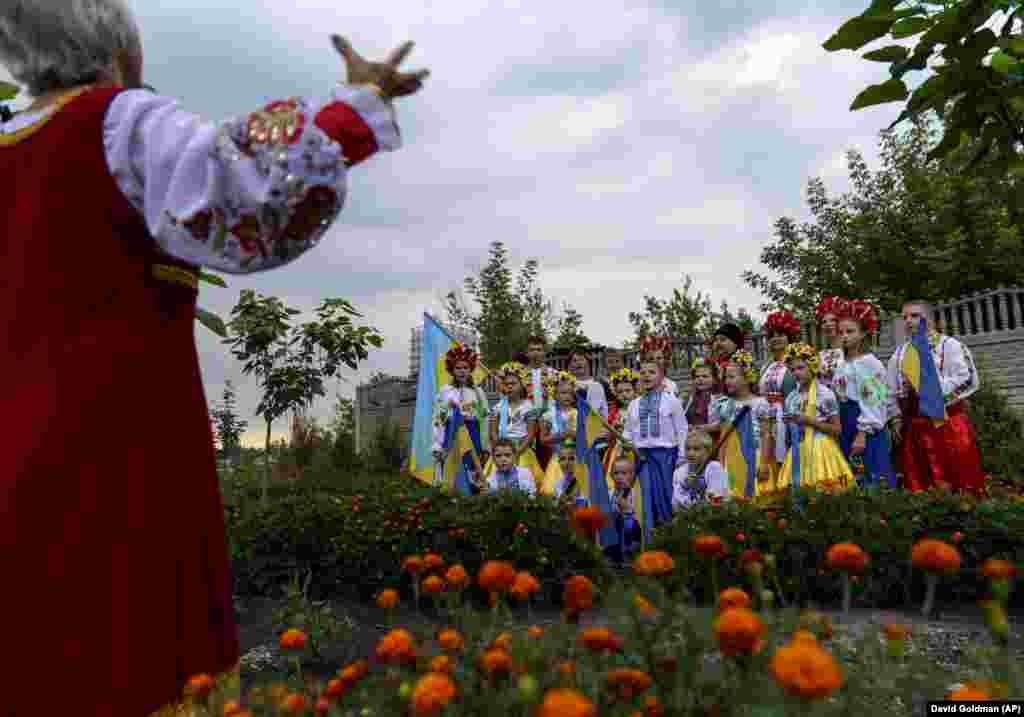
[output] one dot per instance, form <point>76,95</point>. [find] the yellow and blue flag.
<point>918,366</point>
<point>461,442</point>
<point>588,428</point>
<point>433,374</point>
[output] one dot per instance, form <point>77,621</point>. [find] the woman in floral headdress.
<point>704,378</point>
<point>659,348</point>
<point>558,425</point>
<point>812,422</point>
<point>514,418</point>
<point>827,313</point>
<point>860,385</point>
<point>780,329</point>
<point>741,419</point>
<point>460,362</point>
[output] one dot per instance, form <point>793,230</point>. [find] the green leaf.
<point>857,32</point>
<point>889,91</point>
<point>211,321</point>
<point>8,91</point>
<point>926,92</point>
<point>212,279</point>
<point>1013,45</point>
<point>908,27</point>
<point>892,53</point>
<point>1002,62</point>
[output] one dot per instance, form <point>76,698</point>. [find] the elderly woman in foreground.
<point>118,582</point>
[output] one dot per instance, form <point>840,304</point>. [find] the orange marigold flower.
<point>644,606</point>
<point>387,599</point>
<point>450,640</point>
<point>968,693</point>
<point>897,631</point>
<point>579,593</point>
<point>566,703</point>
<point>232,708</point>
<point>653,562</point>
<point>441,663</point>
<point>710,546</point>
<point>652,708</point>
<point>738,630</point>
<point>432,561</point>
<point>456,577</point>
<point>935,556</point>
<point>805,670</point>
<point>431,694</point>
<point>295,704</point>
<point>335,689</point>
<point>293,639</point>
<point>804,636</point>
<point>588,519</point>
<point>535,632</point>
<point>397,646</point>
<point>630,682</point>
<point>432,585</point>
<point>600,639</point>
<point>199,686</point>
<point>523,586</point>
<point>354,672</point>
<point>414,564</point>
<point>495,660</point>
<point>733,597</point>
<point>996,569</point>
<point>496,576</point>
<point>847,557</point>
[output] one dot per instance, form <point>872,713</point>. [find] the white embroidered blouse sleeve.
<point>872,390</point>
<point>679,422</point>
<point>893,382</point>
<point>250,193</point>
<point>718,480</point>
<point>631,426</point>
<point>597,399</point>
<point>956,373</point>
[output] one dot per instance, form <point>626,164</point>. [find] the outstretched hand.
<point>383,74</point>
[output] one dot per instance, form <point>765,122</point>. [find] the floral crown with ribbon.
<point>860,311</point>
<point>745,361</point>
<point>514,369</point>
<point>782,322</point>
<point>552,380</point>
<point>626,375</point>
<point>804,352</point>
<point>458,353</point>
<point>830,305</point>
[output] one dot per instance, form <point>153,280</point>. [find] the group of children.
<point>806,418</point>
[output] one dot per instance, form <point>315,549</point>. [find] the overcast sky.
<point>620,143</point>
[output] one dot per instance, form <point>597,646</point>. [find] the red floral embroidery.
<point>277,123</point>
<point>320,203</point>
<point>247,231</point>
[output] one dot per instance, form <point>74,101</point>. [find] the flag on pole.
<point>920,371</point>
<point>461,440</point>
<point>588,428</point>
<point>434,345</point>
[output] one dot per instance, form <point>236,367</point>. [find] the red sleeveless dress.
<point>118,585</point>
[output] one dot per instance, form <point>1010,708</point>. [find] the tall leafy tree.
<point>682,314</point>
<point>228,425</point>
<point>918,226</point>
<point>570,331</point>
<point>292,362</point>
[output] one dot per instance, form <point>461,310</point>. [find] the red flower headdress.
<point>457,354</point>
<point>784,322</point>
<point>861,311</point>
<point>833,305</point>
<point>650,344</point>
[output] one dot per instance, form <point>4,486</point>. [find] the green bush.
<point>1000,430</point>
<point>799,533</point>
<point>358,538</point>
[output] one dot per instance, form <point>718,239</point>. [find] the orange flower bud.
<point>387,599</point>
<point>293,639</point>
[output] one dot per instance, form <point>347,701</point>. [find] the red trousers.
<point>945,456</point>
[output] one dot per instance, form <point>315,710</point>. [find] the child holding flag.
<point>627,499</point>
<point>781,329</point>
<point>811,415</point>
<point>861,389</point>
<point>513,420</point>
<point>558,425</point>
<point>741,418</point>
<point>572,487</point>
<point>460,363</point>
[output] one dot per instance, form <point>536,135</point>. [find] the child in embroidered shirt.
<point>507,475</point>
<point>626,502</point>
<point>741,417</point>
<point>513,419</point>
<point>558,426</point>
<point>703,379</point>
<point>691,485</point>
<point>811,416</point>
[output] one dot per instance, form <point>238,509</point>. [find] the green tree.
<point>918,226</point>
<point>228,425</point>
<point>292,362</point>
<point>570,330</point>
<point>978,86</point>
<point>342,427</point>
<point>680,315</point>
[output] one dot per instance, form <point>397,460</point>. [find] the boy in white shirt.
<point>690,488</point>
<point>507,475</point>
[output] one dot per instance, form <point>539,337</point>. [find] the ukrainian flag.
<point>461,441</point>
<point>588,428</point>
<point>433,374</point>
<point>918,367</point>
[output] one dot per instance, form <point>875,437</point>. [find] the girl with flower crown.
<point>514,419</point>
<point>460,362</point>
<point>811,415</point>
<point>558,425</point>
<point>860,385</point>
<point>623,384</point>
<point>776,383</point>
<point>741,418</point>
<point>704,378</point>
<point>659,348</point>
<point>827,313</point>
